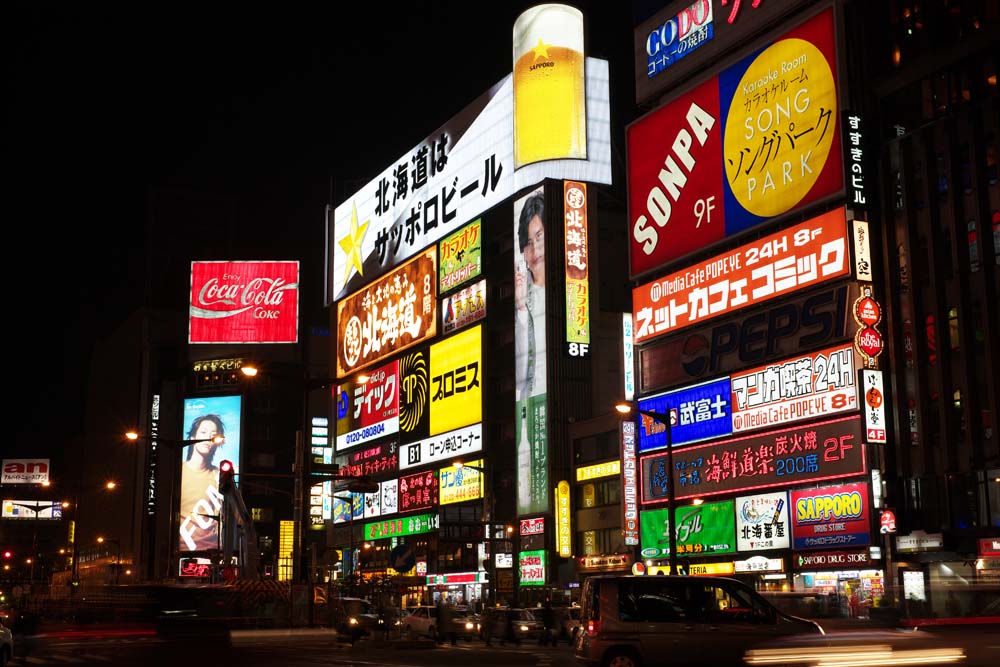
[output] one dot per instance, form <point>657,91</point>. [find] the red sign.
<point>811,453</point>
<point>418,492</point>
<point>244,302</point>
<point>368,407</point>
<point>887,522</point>
<point>373,460</point>
<point>869,341</point>
<point>989,547</point>
<point>835,516</point>
<point>868,311</point>
<point>848,558</point>
<point>810,253</point>
<point>533,526</point>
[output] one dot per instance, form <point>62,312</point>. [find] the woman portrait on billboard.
<point>529,298</point>
<point>200,483</point>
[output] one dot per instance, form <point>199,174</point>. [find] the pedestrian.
<point>548,625</point>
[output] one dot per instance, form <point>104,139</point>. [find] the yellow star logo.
<point>352,244</point>
<point>542,50</point>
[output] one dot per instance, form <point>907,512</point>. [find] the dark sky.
<point>266,104</point>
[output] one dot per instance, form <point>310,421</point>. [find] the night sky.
<point>280,107</point>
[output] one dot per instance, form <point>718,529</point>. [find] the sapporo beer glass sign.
<point>388,315</point>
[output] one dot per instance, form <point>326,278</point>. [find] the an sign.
<point>810,386</point>
<point>464,307</point>
<point>532,567</point>
<point>788,261</point>
<point>463,168</point>
<point>628,357</point>
<point>760,564</point>
<point>610,563</point>
<point>704,529</point>
<point>531,444</point>
<point>832,560</point>
<point>918,540</point>
<point>244,302</point>
<point>834,516</point>
<point>418,491</point>
<point>411,525</point>
<point>762,522</point>
<point>700,412</point>
<point>460,484</point>
<point>811,453</point>
<point>598,470</point>
<point>371,460</point>
<point>389,315</point>
<point>457,375</point>
<point>368,407</point>
<point>854,162</point>
<point>564,526</point>
<point>873,402</point>
<point>630,486</point>
<point>862,251</point>
<point>761,335</point>
<point>461,256</point>
<point>200,499</point>
<point>757,141</point>
<point>887,522</point>
<point>460,442</point>
<point>535,526</point>
<point>25,471</point>
<point>989,547</point>
<point>32,509</point>
<point>577,268</point>
<point>684,36</point>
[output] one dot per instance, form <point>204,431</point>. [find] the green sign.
<point>709,528</point>
<point>533,568</point>
<point>411,525</point>
<point>460,256</point>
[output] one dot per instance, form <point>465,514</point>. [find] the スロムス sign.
<point>456,392</point>
<point>807,254</point>
<point>244,302</point>
<point>755,142</point>
<point>835,516</point>
<point>388,315</point>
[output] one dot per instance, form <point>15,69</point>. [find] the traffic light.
<point>8,554</point>
<point>227,474</point>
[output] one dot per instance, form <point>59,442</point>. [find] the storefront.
<point>763,573</point>
<point>458,587</point>
<point>842,583</point>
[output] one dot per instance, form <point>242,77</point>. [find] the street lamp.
<point>118,556</point>
<point>625,408</point>
<point>110,485</point>
<point>488,522</point>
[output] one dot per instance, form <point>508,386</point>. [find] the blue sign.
<point>402,558</point>
<point>700,412</point>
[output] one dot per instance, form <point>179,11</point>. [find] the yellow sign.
<point>598,470</point>
<point>564,528</point>
<point>460,484</point>
<point>286,539</point>
<point>707,569</point>
<point>457,377</point>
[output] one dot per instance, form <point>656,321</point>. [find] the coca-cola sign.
<point>244,302</point>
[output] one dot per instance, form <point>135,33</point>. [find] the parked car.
<point>6,645</point>
<point>420,621</point>
<point>526,624</point>
<point>630,621</point>
<point>353,617</point>
<point>567,622</point>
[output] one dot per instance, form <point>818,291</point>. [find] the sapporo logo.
<point>780,127</point>
<point>413,403</point>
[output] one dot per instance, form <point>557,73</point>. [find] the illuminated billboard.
<point>762,522</point>
<point>371,460</point>
<point>532,568</point>
<point>457,375</point>
<point>411,525</point>
<point>460,442</point>
<point>630,486</point>
<point>25,471</point>
<point>576,238</point>
<point>807,254</point>
<point>244,302</point>
<point>418,491</point>
<point>462,169</point>
<point>460,256</point>
<point>460,484</point>
<point>368,407</point>
<point>464,307</point>
<point>700,412</point>
<point>705,529</point>
<point>389,315</point>
<point>414,395</point>
<point>32,509</point>
<point>530,343</point>
<point>811,453</point>
<point>757,141</point>
<point>205,418</point>
<point>831,517</point>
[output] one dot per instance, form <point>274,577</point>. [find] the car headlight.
<point>524,628</point>
<point>469,626</point>
<point>353,621</point>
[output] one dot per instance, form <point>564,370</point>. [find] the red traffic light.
<point>226,466</point>
<point>8,554</point>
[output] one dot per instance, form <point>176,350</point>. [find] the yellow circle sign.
<point>780,127</point>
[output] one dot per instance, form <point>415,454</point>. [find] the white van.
<point>640,621</point>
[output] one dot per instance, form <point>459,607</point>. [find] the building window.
<point>599,493</point>
<point>953,336</point>
<point>601,541</point>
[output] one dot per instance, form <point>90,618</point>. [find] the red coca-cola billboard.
<point>244,302</point>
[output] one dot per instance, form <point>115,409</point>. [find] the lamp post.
<point>626,408</point>
<point>110,485</point>
<point>118,556</point>
<point>488,522</point>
